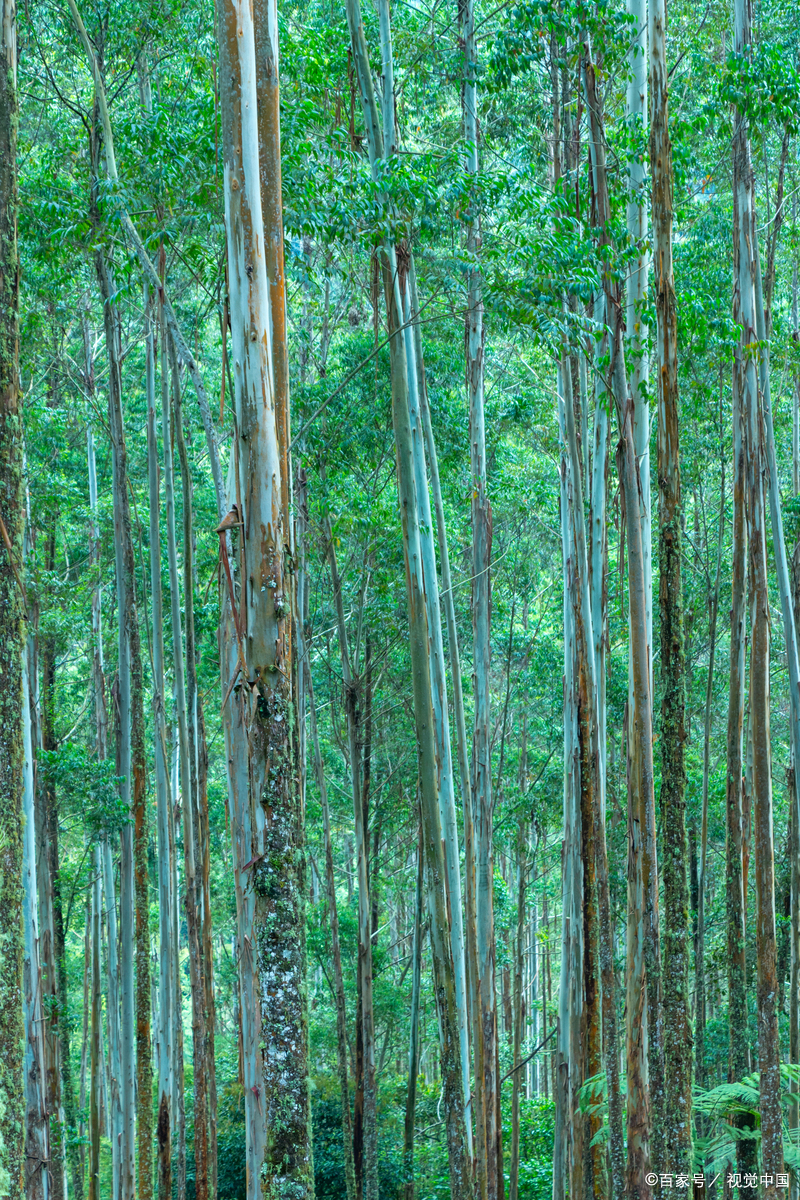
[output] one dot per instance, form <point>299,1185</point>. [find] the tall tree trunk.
<point>486,1047</point>
<point>568,1141</point>
<point>58,1062</point>
<point>677,1030</point>
<point>162,781</point>
<point>12,636</point>
<point>446,788</point>
<point>794,849</point>
<point>735,869</point>
<point>369,1174</point>
<point>640,726</point>
<point>206,943</point>
<point>101,744</point>
<point>191,832</point>
<point>36,1161</point>
<point>180,784</point>
<point>518,1006</point>
<point>113,1018</point>
<point>598,954</point>
<point>444,980</point>
<point>636,331</point>
<point>40,653</point>
<point>135,1065</point>
<point>713,614</point>
<point>333,916</point>
<point>127,631</point>
<point>96,1055</point>
<point>135,841</point>
<point>455,668</point>
<point>413,1035</point>
<point>745,234</point>
<point>264,644</point>
<point>585,767</point>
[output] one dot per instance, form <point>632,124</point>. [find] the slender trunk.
<point>12,637</point>
<point>413,1036</point>
<point>333,916</point>
<point>455,667</point>
<point>36,1162</point>
<point>447,805</point>
<point>43,802</point>
<point>598,949</point>
<point>266,699</point>
<point>768,1042</point>
<point>206,944</point>
<point>636,333</point>
<point>444,980</point>
<point>351,683</point>
<point>61,1098</point>
<point>162,782</point>
<point>567,1148</point>
<point>763,297</point>
<point>713,605</point>
<point>191,832</point>
<point>180,783</point>
<point>794,848</point>
<point>96,1033</point>
<point>640,719</point>
<point>585,771</point>
<point>130,693</point>
<point>103,871</point>
<point>419,435</point>
<point>134,900</point>
<point>677,1030</point>
<point>87,971</point>
<point>112,1017</point>
<point>518,1007</point>
<point>486,1047</point>
<point>735,886</point>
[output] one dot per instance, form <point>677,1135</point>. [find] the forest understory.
<point>399,599</point>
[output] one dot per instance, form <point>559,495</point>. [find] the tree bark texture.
<point>263,671</point>
<point>677,1029</point>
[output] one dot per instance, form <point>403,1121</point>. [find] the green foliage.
<point>724,1103</point>
<point>88,788</point>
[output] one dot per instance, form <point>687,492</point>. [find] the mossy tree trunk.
<point>677,1030</point>
<point>12,638</point>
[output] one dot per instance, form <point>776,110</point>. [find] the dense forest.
<point>399,599</point>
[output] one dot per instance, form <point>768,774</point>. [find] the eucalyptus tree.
<point>12,636</point>
<point>460,1168</point>
<point>641,731</point>
<point>636,331</point>
<point>261,688</point>
<point>36,1131</point>
<point>166,999</point>
<point>490,1139</point>
<point>677,1032</point>
<point>746,249</point>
